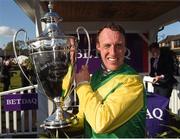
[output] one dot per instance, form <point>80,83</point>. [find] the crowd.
<point>9,67</point>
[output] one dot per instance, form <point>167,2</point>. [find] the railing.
<point>17,122</point>
<point>26,122</point>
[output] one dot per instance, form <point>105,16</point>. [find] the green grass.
<point>15,81</point>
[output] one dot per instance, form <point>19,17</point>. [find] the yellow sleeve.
<point>67,80</point>
<point>118,107</point>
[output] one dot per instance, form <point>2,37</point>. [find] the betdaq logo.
<point>17,102</point>
<point>155,113</point>
<point>20,101</point>
<point>83,53</point>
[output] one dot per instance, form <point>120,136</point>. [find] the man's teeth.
<point>112,59</point>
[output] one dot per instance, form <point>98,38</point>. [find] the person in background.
<point>29,71</point>
<point>6,66</point>
<point>111,102</point>
<point>162,70</point>
<point>24,81</point>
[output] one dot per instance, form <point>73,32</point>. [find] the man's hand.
<point>83,75</point>
<point>157,78</point>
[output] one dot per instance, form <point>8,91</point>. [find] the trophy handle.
<point>88,38</point>
<point>89,51</point>
<point>15,52</point>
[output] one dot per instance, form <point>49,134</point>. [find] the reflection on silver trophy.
<point>53,57</point>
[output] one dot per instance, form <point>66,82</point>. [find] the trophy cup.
<point>53,56</point>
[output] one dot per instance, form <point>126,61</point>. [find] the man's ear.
<point>98,47</point>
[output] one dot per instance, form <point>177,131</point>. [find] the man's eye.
<point>119,46</point>
<point>107,46</point>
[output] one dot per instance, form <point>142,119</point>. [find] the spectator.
<point>24,81</point>
<point>162,69</point>
<point>6,76</point>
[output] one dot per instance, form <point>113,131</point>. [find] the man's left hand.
<point>83,75</point>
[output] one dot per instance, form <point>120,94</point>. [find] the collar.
<point>105,70</point>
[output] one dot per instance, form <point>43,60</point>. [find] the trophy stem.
<point>60,118</point>
<point>59,110</point>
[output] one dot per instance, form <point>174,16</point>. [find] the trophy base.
<point>62,120</point>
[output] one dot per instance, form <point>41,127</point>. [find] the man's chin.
<point>112,68</point>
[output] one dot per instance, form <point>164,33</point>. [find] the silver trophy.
<point>53,56</point>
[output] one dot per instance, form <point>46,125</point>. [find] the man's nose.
<point>112,50</point>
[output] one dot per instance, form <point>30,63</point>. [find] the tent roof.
<point>104,10</point>
<point>80,11</point>
<point>134,15</point>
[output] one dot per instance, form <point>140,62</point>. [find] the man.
<point>112,102</point>
<point>6,73</point>
<point>162,69</point>
<point>24,81</point>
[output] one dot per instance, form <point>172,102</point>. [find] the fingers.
<point>83,74</point>
<point>156,79</point>
<point>84,68</point>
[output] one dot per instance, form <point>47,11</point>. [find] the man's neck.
<point>105,70</point>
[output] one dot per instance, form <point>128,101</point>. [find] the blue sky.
<point>172,29</point>
<point>13,18</point>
